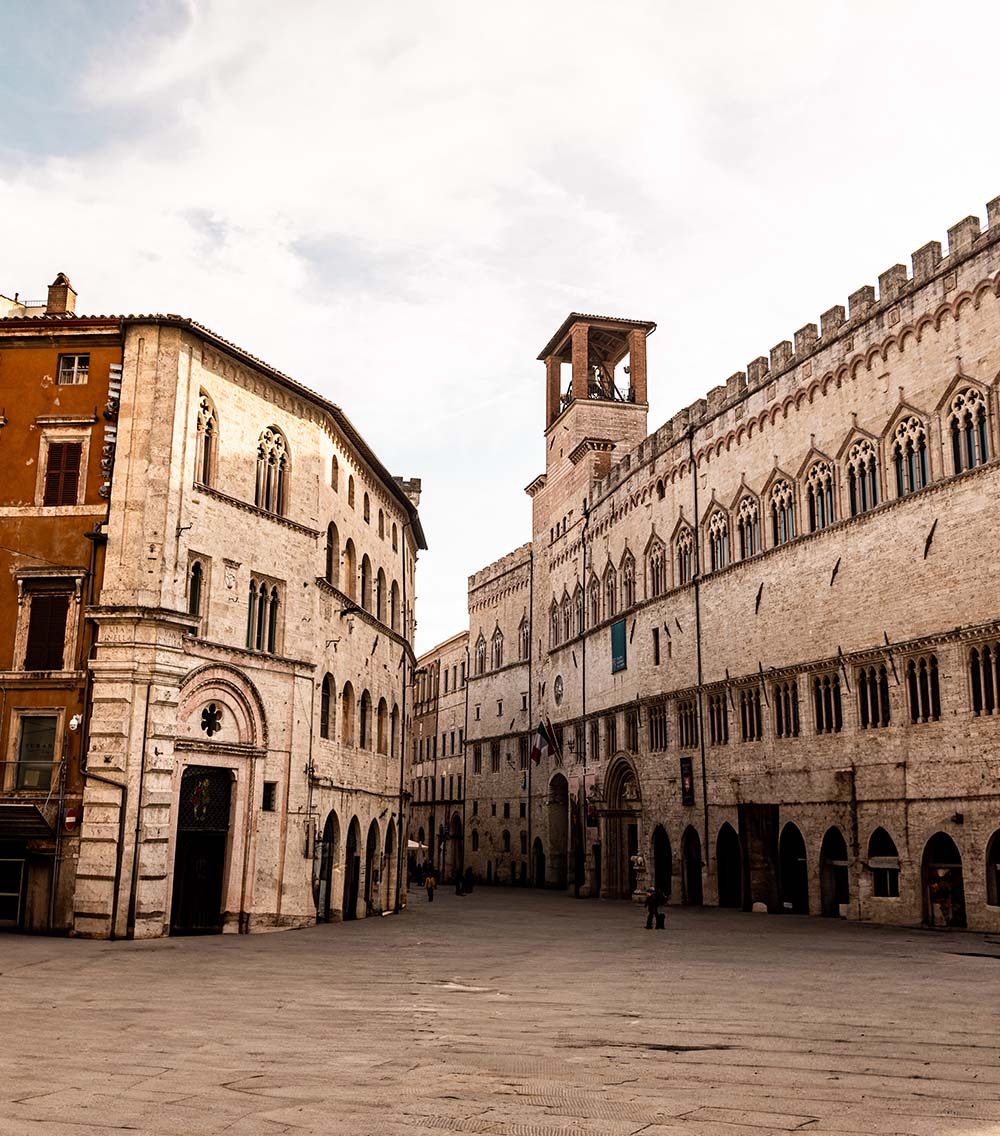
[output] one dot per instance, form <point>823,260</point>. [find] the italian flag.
<point>544,744</point>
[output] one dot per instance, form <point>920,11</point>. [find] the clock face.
<point>557,687</point>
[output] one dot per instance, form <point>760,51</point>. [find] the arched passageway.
<point>372,865</point>
<point>662,861</point>
<point>557,816</point>
<point>993,870</point>
<point>943,883</point>
<point>729,867</point>
<point>352,870</point>
<point>834,882</point>
<point>793,871</point>
<point>325,900</point>
<point>203,817</point>
<point>453,853</point>
<point>389,868</point>
<point>691,856</point>
<point>539,857</point>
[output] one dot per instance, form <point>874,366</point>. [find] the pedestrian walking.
<point>430,883</point>
<point>652,905</point>
<point>468,880</point>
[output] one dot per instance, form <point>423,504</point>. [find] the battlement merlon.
<point>498,568</point>
<point>853,328</point>
<point>594,346</point>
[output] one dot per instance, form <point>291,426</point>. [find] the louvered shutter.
<point>62,473</point>
<point>46,632</point>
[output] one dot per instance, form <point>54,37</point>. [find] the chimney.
<point>62,298</point>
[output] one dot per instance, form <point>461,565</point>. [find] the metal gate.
<point>200,858</point>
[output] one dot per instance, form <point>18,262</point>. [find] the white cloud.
<point>398,203</point>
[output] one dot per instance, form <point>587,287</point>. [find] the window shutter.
<point>46,632</point>
<point>62,473</point>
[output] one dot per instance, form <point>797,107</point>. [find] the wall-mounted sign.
<point>618,658</point>
<point>687,782</point>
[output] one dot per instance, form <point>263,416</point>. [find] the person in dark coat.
<point>652,904</point>
<point>468,880</point>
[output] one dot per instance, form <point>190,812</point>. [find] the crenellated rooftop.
<point>840,334</point>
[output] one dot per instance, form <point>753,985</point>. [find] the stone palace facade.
<point>767,635</point>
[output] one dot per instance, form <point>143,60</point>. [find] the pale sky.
<point>398,202</point>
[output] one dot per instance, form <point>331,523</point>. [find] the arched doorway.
<point>200,856</point>
<point>327,860</point>
<point>834,883</point>
<point>691,876</point>
<point>372,869</point>
<point>539,856</point>
<point>729,867</point>
<point>943,886</point>
<point>390,868</point>
<point>621,830</point>
<point>454,850</point>
<point>352,870</point>
<point>794,873</point>
<point>662,861</point>
<point>557,816</point>
<point>993,870</point>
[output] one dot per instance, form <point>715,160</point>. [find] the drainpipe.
<point>531,695</point>
<point>697,624</point>
<point>130,926</point>
<point>465,761</point>
<point>583,674</point>
<point>398,904</point>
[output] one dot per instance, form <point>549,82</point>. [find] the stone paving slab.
<point>507,1014</point>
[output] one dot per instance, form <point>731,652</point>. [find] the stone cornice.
<point>246,507</point>
<point>354,608</point>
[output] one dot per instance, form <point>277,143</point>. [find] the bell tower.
<point>595,417</point>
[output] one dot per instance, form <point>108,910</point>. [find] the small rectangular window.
<point>524,844</point>
<point>656,646</point>
<point>477,713</point>
<point>477,758</point>
<point>506,810</point>
<point>499,708</point>
<point>270,796</point>
<point>493,808</point>
<point>475,808</point>
<point>62,473</point>
<point>524,810</point>
<point>524,701</point>
<point>494,757</point>
<point>73,370</point>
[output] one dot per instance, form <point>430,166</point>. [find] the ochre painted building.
<point>59,382</point>
<point>767,634</point>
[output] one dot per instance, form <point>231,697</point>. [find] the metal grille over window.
<point>204,803</point>
<point>658,727</point>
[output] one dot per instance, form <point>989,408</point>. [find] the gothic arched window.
<point>524,639</point>
<point>366,509</point>
<point>350,490</point>
<point>748,527</point>
<point>208,439</point>
<point>718,540</point>
<point>909,456</point>
<point>332,554</point>
<point>984,674</point>
<point>334,473</point>
<point>862,476</point>
<point>969,441</point>
<point>195,580</point>
<point>610,592</point>
<point>328,698</point>
<point>480,655</point>
<point>578,610</point>
<point>382,727</point>
<point>684,546</point>
<point>272,471</point>
<point>595,602</point>
<point>394,606</point>
<point>657,562</point>
<point>819,486</point>
<point>347,715</point>
<point>628,581</point>
<point>366,582</point>
<point>553,624</point>
<point>496,650</point>
<point>365,721</point>
<point>782,513</point>
<point>566,614</point>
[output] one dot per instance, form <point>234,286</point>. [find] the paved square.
<point>513,1014</point>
